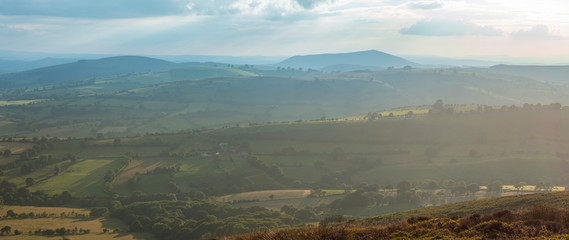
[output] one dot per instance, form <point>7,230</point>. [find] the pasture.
<point>265,195</point>
<point>58,217</point>
<point>84,178</point>
<point>511,147</point>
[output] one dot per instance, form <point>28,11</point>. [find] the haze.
<point>488,30</point>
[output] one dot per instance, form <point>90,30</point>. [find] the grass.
<point>266,195</point>
<point>95,225</point>
<point>541,216</point>
<point>85,178</point>
<point>482,206</point>
<point>20,102</point>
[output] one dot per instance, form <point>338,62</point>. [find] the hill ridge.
<point>363,58</point>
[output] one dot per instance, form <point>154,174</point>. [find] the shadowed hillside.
<point>84,69</point>
<point>365,58</point>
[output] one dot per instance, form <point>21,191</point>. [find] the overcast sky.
<point>450,28</point>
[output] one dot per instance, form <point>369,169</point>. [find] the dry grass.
<point>15,147</point>
<point>540,222</point>
<point>40,210</point>
<point>95,225</point>
<point>265,195</point>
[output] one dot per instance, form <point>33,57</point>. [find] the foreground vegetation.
<point>542,216</point>
<point>538,223</point>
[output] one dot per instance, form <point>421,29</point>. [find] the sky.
<point>478,29</point>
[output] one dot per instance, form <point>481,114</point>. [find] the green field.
<point>513,146</point>
<point>84,178</point>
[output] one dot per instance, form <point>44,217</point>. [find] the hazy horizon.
<point>480,30</point>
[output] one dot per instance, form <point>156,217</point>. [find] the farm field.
<point>84,178</point>
<point>276,165</point>
<point>511,147</point>
<point>55,219</point>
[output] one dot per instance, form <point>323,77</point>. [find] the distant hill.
<point>540,73</point>
<point>365,58</point>
<point>9,66</point>
<point>85,69</point>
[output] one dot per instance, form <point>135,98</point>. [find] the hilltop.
<point>363,59</point>
<point>84,69</point>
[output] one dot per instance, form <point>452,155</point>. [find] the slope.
<point>544,73</point>
<point>364,58</point>
<point>84,69</point>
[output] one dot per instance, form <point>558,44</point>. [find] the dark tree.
<point>403,187</point>
<point>30,181</point>
<point>6,230</point>
<point>7,153</point>
<point>56,170</point>
<point>11,214</point>
<point>99,212</point>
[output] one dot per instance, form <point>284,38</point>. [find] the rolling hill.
<point>557,74</point>
<point>84,69</point>
<point>368,58</point>
<point>191,97</point>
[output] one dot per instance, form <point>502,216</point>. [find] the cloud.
<point>425,5</point>
<point>100,9</point>
<point>537,31</point>
<point>309,4</point>
<point>439,27</point>
<point>256,7</point>
<point>109,9</point>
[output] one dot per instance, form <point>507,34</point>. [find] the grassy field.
<point>84,178</point>
<point>511,147</point>
<point>69,221</point>
<point>266,195</point>
<point>20,102</point>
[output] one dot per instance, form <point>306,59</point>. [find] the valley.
<point>188,150</point>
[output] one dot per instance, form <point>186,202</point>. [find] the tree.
<point>473,188</point>
<point>117,142</point>
<point>7,153</point>
<point>56,170</point>
<point>437,108</point>
<point>30,181</point>
<point>403,187</point>
<point>99,212</point>
<point>495,187</point>
<point>6,229</point>
<point>11,214</point>
<point>438,105</point>
<point>288,209</point>
<point>459,188</point>
<point>430,184</point>
<point>317,192</point>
